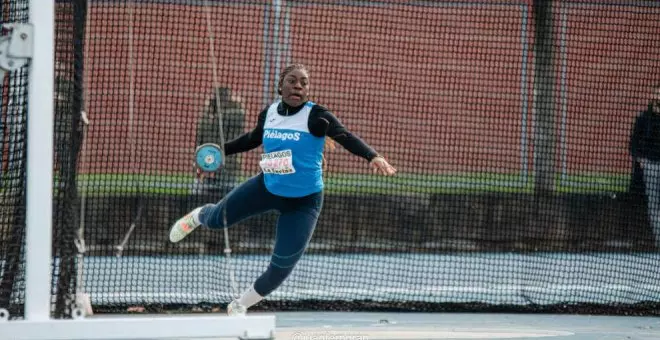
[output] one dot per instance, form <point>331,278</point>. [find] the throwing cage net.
<point>510,123</point>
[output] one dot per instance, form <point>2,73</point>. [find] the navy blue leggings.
<point>295,225</point>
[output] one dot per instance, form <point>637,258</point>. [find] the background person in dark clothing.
<point>645,151</point>
<point>208,131</point>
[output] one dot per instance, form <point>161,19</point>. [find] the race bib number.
<point>278,162</point>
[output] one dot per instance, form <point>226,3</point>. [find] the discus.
<point>209,157</point>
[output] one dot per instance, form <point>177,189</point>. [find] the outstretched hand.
<point>381,166</point>
<point>201,174</point>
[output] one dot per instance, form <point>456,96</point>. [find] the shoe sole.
<point>177,233</point>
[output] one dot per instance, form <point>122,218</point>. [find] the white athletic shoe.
<point>184,226</point>
<point>236,309</point>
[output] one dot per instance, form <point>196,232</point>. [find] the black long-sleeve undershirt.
<point>321,123</point>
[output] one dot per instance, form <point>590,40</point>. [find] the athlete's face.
<point>294,87</point>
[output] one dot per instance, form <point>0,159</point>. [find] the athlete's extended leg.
<point>248,199</point>
<point>295,227</point>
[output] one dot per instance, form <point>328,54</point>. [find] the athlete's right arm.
<point>249,140</point>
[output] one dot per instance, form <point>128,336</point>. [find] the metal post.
<point>39,163</point>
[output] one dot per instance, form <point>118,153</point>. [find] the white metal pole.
<point>277,46</point>
<point>40,163</point>
<point>563,145</point>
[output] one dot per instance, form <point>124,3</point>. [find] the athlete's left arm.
<point>323,123</point>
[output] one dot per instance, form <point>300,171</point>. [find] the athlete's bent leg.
<point>295,227</point>
<point>248,199</point>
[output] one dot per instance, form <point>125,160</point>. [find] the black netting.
<point>510,122</point>
<point>13,147</point>
<point>70,20</point>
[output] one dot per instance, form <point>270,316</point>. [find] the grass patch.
<point>406,184</point>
